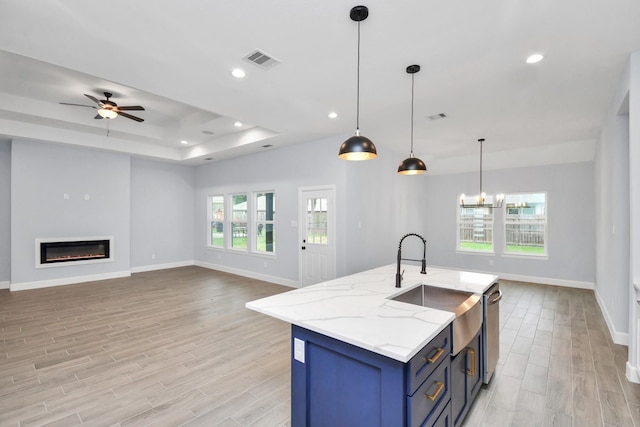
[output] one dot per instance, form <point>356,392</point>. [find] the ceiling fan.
<point>108,109</point>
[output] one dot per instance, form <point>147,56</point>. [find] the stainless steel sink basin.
<point>465,305</point>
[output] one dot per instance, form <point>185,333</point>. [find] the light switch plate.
<point>298,350</point>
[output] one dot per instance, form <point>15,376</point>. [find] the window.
<point>475,227</point>
<point>239,221</point>
<point>317,221</point>
<point>265,205</point>
<point>526,224</point>
<point>216,221</point>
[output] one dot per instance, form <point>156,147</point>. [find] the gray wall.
<point>40,175</point>
<point>5,210</point>
<point>612,213</point>
<point>367,194</point>
<point>382,206</point>
<point>160,208</point>
<point>162,212</point>
<point>570,219</point>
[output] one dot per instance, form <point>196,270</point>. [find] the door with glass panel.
<point>317,235</point>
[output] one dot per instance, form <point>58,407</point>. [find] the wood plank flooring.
<point>165,348</point>
<point>178,348</point>
<point>558,365</point>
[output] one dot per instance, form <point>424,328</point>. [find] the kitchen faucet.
<point>424,258</point>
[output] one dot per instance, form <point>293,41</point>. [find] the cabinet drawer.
<point>432,396</point>
<point>428,359</point>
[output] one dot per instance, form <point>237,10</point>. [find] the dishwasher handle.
<point>494,297</point>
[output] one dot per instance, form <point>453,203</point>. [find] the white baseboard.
<point>5,285</point>
<point>154,267</point>
<point>633,373</point>
<point>621,338</point>
<point>547,281</point>
<point>531,279</point>
<point>67,281</point>
<point>250,274</point>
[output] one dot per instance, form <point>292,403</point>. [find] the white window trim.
<point>540,257</point>
<point>209,245</point>
<point>545,254</point>
<point>229,234</point>
<point>460,250</point>
<point>254,225</point>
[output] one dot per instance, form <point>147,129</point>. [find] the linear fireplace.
<point>73,251</point>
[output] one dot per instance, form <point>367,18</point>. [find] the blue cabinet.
<point>337,384</point>
<point>466,378</point>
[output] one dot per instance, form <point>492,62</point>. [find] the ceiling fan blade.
<point>131,108</point>
<point>79,105</point>
<point>98,117</point>
<point>94,99</point>
<point>129,116</point>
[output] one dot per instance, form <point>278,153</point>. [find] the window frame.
<point>231,222</point>
<point>210,221</point>
<point>545,253</point>
<point>459,249</point>
<point>256,221</point>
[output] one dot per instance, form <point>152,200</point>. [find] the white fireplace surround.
<point>39,241</point>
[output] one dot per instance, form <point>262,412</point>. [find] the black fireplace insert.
<point>80,250</point>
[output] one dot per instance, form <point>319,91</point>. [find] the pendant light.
<point>482,196</point>
<point>412,165</point>
<point>358,147</point>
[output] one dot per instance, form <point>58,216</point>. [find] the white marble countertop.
<point>356,309</point>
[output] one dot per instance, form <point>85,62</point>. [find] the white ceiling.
<point>175,59</point>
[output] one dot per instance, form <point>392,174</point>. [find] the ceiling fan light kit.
<point>412,165</point>
<point>107,113</point>
<point>108,109</point>
<point>358,147</point>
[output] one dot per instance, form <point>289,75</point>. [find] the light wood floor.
<point>177,347</point>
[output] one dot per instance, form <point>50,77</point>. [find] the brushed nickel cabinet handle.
<point>438,390</point>
<point>497,296</point>
<point>472,372</point>
<point>436,356</point>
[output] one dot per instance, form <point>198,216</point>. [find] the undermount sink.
<point>465,305</point>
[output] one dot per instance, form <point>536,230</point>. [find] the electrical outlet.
<point>298,350</point>
<point>153,256</point>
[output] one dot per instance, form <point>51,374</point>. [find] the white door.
<point>317,227</point>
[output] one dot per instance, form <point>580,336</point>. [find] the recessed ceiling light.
<point>238,73</point>
<point>536,57</point>
<point>333,115</point>
<point>184,142</point>
<point>237,124</point>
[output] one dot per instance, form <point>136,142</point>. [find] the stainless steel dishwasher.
<point>491,331</point>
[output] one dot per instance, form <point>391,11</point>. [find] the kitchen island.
<point>359,357</point>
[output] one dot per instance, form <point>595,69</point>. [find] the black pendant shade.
<point>412,165</point>
<point>358,147</point>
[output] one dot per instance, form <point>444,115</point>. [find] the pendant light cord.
<point>358,86</point>
<point>412,81</point>
<point>481,169</point>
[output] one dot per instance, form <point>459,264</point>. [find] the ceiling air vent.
<point>437,116</point>
<point>261,59</point>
